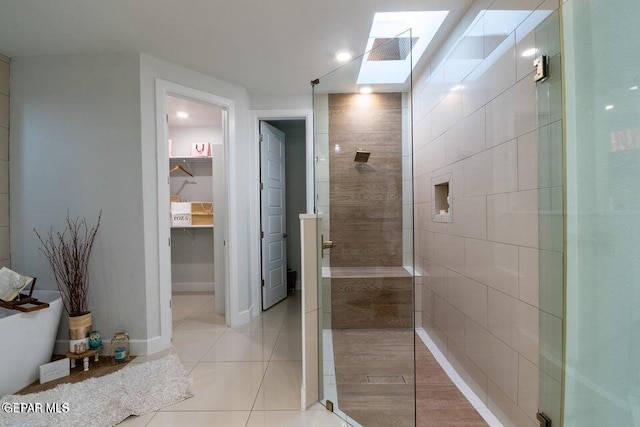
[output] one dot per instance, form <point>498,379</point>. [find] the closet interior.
<point>196,133</point>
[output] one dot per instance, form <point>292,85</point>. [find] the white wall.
<point>75,146</point>
<point>241,265</point>
<point>282,102</point>
<point>84,139</point>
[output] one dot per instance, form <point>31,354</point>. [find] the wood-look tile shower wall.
<point>366,198</point>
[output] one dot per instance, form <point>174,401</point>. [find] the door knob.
<point>327,244</point>
<point>284,236</point>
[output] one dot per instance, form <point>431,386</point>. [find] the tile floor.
<point>247,376</point>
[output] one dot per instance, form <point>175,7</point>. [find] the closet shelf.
<point>191,226</point>
<point>190,159</point>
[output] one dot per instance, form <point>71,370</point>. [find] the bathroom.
<point>495,237</point>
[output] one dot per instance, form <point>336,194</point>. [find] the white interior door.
<point>273,201</point>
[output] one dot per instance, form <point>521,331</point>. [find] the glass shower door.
<point>364,201</point>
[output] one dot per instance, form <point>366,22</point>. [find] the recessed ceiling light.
<point>366,90</point>
<point>633,88</point>
<point>609,107</point>
<point>529,52</point>
<point>182,114</point>
<point>456,88</point>
<point>343,56</point>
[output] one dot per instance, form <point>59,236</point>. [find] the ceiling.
<point>267,46</point>
<point>200,114</point>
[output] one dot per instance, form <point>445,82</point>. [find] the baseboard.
<point>192,287</point>
<point>138,347</point>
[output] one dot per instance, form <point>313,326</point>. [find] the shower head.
<point>362,156</point>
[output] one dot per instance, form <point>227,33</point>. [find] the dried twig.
<point>68,254</point>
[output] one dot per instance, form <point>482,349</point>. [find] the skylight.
<point>390,62</point>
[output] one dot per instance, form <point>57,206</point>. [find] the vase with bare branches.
<point>68,254</point>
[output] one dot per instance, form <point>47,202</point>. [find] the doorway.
<point>283,197</point>
<point>192,206</point>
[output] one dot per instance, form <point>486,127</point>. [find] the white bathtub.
<point>27,342</point>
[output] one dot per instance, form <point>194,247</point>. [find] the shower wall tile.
<point>528,387</point>
<point>513,218</point>
<point>551,218</point>
<point>469,296</point>
<point>524,64</point>
<point>528,176</point>
<point>450,320</point>
<point>494,264</point>
<point>508,117</point>
<point>422,131</point>
<point>551,345</point>
<point>467,137</point>
<point>447,113</point>
<point>498,264</point>
<point>471,374</point>
<point>551,278</point>
<point>436,154</point>
<point>439,279</point>
<point>505,409</point>
<point>449,251</point>
<point>528,276</point>
<point>470,217</point>
<point>492,171</point>
<point>366,199</point>
<point>484,84</point>
<point>495,358</point>
<point>515,323</point>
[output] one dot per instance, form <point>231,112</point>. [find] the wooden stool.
<point>84,356</point>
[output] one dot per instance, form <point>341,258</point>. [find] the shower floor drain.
<point>386,379</point>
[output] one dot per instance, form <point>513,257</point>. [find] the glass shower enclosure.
<point>364,200</point>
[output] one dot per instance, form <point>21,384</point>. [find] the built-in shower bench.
<point>370,297</point>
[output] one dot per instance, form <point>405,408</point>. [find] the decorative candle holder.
<point>120,348</point>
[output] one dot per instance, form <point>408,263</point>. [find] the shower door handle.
<point>327,244</point>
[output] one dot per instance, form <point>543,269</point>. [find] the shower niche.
<point>442,201</point>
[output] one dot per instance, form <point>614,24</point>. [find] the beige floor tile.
<point>280,389</point>
<point>242,346</point>
<point>201,322</point>
<point>185,304</point>
<point>268,321</point>
<point>207,307</point>
<point>293,321</point>
<point>134,421</point>
<point>295,419</point>
<point>192,346</point>
<point>195,419</point>
<point>288,346</point>
<point>223,386</point>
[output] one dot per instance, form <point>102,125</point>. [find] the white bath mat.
<point>137,389</point>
